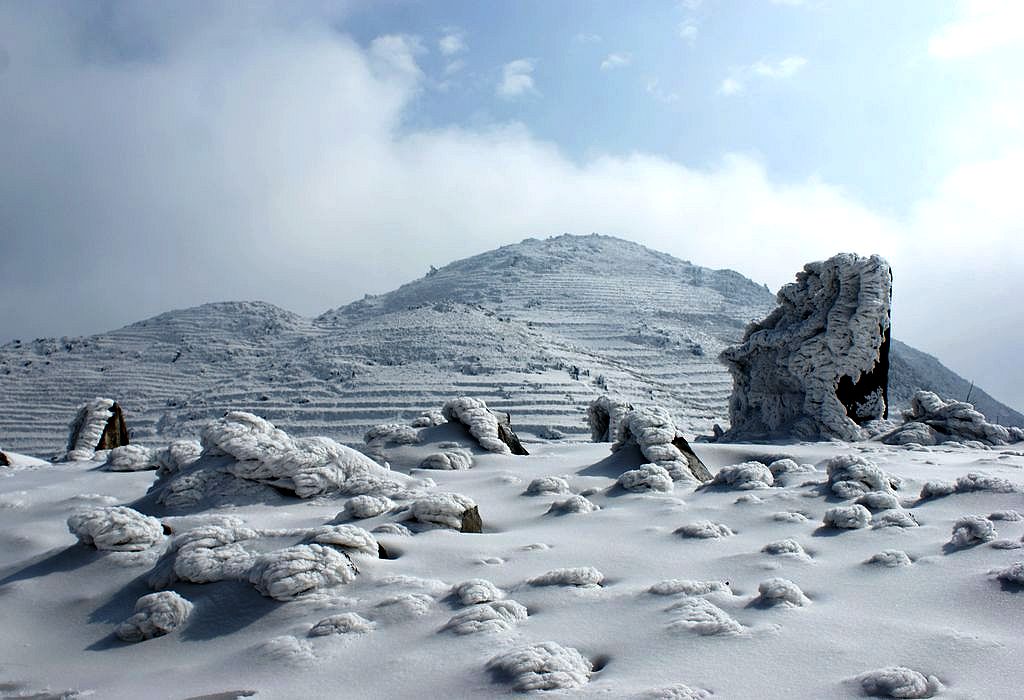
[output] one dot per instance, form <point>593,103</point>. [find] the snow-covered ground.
<point>736,589</point>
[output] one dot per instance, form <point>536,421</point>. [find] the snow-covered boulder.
<point>605,415</point>
<point>890,558</point>
<point>786,466</point>
<point>932,421</point>
<point>130,458</point>
<point>675,586</point>
<point>361,507</point>
<point>115,528</point>
<point>580,576</point>
<point>429,419</point>
<point>343,623</point>
<point>453,459</point>
<point>548,484</point>
<point>98,425</point>
<point>879,500</point>
<point>705,530</point>
<point>176,456</point>
<point>817,366</point>
<point>851,476</point>
<point>544,666</point>
<point>967,483</point>
<point>847,517</point>
<point>649,477</point>
<point>156,614</point>
<point>971,530</point>
<point>781,591</point>
<point>749,475</point>
<point>476,591</point>
<point>788,546</point>
<point>391,434</point>
<point>654,432</point>
<point>491,616</point>
<point>451,510</point>
<point>703,617</point>
<point>491,430</point>
<point>573,504</point>
<point>288,573</point>
<point>898,682</point>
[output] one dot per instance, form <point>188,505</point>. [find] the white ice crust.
<point>156,614</point>
<point>605,416</point>
<point>481,423</point>
<point>90,421</point>
<point>115,528</point>
<point>544,666</point>
<point>932,421</point>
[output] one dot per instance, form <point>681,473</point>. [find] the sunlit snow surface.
<point>787,606</point>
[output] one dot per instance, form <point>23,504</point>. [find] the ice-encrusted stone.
<point>548,484</point>
<point>98,425</point>
<point>654,432</point>
<point>782,467</point>
<point>484,425</point>
<point>649,477</point>
<point>702,616</point>
<point>544,666</point>
<point>491,616</point>
<point>156,614</point>
<point>781,591</point>
<point>477,590</point>
<point>894,518</point>
<point>604,416</point>
<point>879,500</point>
<point>581,576</point>
<point>971,530</point>
<point>818,365</point>
<point>749,475</point>
<point>933,421</point>
<point>705,529</point>
<point>444,509</point>
<point>847,517</point>
<point>115,528</point>
<point>674,586</point>
<point>391,434</point>
<point>898,682</point>
<point>343,623</point>
<point>176,456</point>
<point>787,546</point>
<point>130,458</point>
<point>851,476</point>
<point>890,558</point>
<point>362,507</point>
<point>288,573</point>
<point>453,459</point>
<point>429,419</point>
<point>573,504</point>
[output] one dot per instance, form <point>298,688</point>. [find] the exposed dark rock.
<point>697,467</point>
<point>4,461</point>
<point>507,435</point>
<point>115,434</point>
<point>471,521</point>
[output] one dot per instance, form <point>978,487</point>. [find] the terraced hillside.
<point>536,329</point>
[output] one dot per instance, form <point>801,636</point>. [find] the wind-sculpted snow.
<point>544,666</point>
<point>654,431</point>
<point>894,518</point>
<point>479,421</point>
<point>971,530</point>
<point>156,614</point>
<point>87,429</point>
<point>130,458</point>
<point>788,546</point>
<point>573,504</point>
<point>783,467</point>
<point>444,509</point>
<point>405,606</point>
<point>703,617</point>
<point>850,476</point>
<point>343,623</point>
<point>749,475</point>
<point>847,517</point>
<point>932,421</point>
<point>548,484</point>
<point>649,477</point>
<point>879,500</point>
<point>898,682</point>
<point>605,416</point>
<point>675,586</point>
<point>287,649</point>
<point>115,528</point>
<point>968,483</point>
<point>582,576</point>
<point>455,458</point>
<point>491,616</point>
<point>477,590</point>
<point>890,558</point>
<point>361,507</point>
<point>818,365</point>
<point>781,591</point>
<point>291,572</point>
<point>705,529</point>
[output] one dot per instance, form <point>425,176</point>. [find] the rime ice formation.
<point>784,467</point>
<point>454,458</point>
<point>702,616</point>
<point>581,576</point>
<point>548,484</point>
<point>851,476</point>
<point>115,528</point>
<point>847,517</point>
<point>894,518</point>
<point>705,530</point>
<point>130,458</point>
<point>879,500</point>
<point>932,421</point>
<point>649,477</point>
<point>783,547</point>
<point>344,623</point>
<point>898,682</point>
<point>391,434</point>
<point>890,558</point>
<point>1013,574</point>
<point>781,591</point>
<point>971,530</point>
<point>573,504</point>
<point>654,432</point>
<point>968,483</point>
<point>544,666</point>
<point>429,419</point>
<point>361,507</point>
<point>492,616</point>
<point>491,430</point>
<point>675,586</point>
<point>156,614</point>
<point>477,590</point>
<point>817,366</point>
<point>451,510</point>
<point>289,573</point>
<point>98,425</point>
<point>178,455</point>
<point>605,415</point>
<point>749,475</point>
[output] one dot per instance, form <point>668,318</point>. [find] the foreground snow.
<point>752,586</point>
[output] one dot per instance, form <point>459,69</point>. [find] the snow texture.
<point>831,323</point>
<point>361,507</point>
<point>492,616</point>
<point>88,425</point>
<point>205,554</point>
<point>544,666</point>
<point>781,591</point>
<point>405,606</point>
<point>287,649</point>
<point>789,517</point>
<point>291,572</point>
<point>130,458</point>
<point>548,484</point>
<point>890,558</point>
<point>749,475</point>
<point>675,586</point>
<point>971,530</point>
<point>476,591</point>
<point>968,483</point>
<point>481,423</point>
<point>573,504</point>
<point>847,517</point>
<point>444,509</point>
<point>898,682</point>
<point>156,614</point>
<point>429,419</point>
<point>1013,574</point>
<point>455,459</point>
<point>705,529</point>
<point>649,477</point>
<point>933,421</point>
<point>582,576</point>
<point>703,617</point>
<point>115,528</point>
<point>850,476</point>
<point>343,623</point>
<point>605,416</point>
<point>348,537</point>
<point>879,500</point>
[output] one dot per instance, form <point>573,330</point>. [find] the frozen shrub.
<point>850,476</point>
<point>705,529</point>
<point>971,530</point>
<point>544,666</point>
<point>454,459</point>
<point>583,576</point>
<point>703,617</point>
<point>573,504</point>
<point>879,500</point>
<point>288,573</point>
<point>749,475</point>
<point>649,477</point>
<point>548,484</point>
<point>444,509</point>
<point>780,591</point>
<point>675,586</point>
<point>156,614</point>
<point>130,458</point>
<point>898,682</point>
<point>361,507</point>
<point>847,517</point>
<point>492,616</point>
<point>890,558</point>
<point>115,528</point>
<point>894,518</point>
<point>345,623</point>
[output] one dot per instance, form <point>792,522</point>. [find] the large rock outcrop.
<point>931,421</point>
<point>98,425</point>
<point>817,367</point>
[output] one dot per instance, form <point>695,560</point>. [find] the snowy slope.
<point>506,326</point>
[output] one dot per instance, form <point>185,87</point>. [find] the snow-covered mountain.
<point>536,329</point>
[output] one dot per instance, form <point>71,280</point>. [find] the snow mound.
<point>933,421</point>
<point>851,476</point>
<point>702,616</point>
<point>454,459</point>
<point>879,500</point>
<point>605,416</point>
<point>287,649</point>
<point>476,591</point>
<point>847,517</point>
<point>573,504</point>
<point>817,366</point>
<point>789,517</point>
<point>86,430</point>
<point>678,691</point>
<point>130,458</point>
<point>544,666</point>
<point>291,572</point>
<point>971,530</point>
<point>1013,574</point>
<point>347,537</point>
<point>649,477</point>
<point>894,518</point>
<point>705,529</point>
<point>781,591</point>
<point>429,419</point>
<point>391,434</point>
<point>443,509</point>
<point>749,475</point>
<point>786,546</point>
<point>968,483</point>
<point>492,616</point>
<point>890,558</point>
<point>156,614</point>
<point>481,423</point>
<point>392,529</point>
<point>898,682</point>
<point>1010,516</point>
<point>548,484</point>
<point>405,606</point>
<point>362,507</point>
<point>115,528</point>
<point>654,431</point>
<point>581,576</point>
<point>344,623</point>
<point>781,467</point>
<point>674,586</point>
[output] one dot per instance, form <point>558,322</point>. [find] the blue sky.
<point>307,153</point>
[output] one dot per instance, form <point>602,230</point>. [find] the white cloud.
<point>730,86</point>
<point>688,32</point>
<point>584,38</point>
<point>452,43</point>
<point>983,25</point>
<point>616,60</point>
<point>517,78</point>
<point>654,89</point>
<point>778,70</point>
<point>396,53</point>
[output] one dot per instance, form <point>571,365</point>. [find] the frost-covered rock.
<point>581,576</point>
<point>429,419</point>
<point>703,617</point>
<point>786,546</point>
<point>362,507</point>
<point>491,616</point>
<point>1009,516</point>
<point>781,591</point>
<point>782,467</point>
<point>392,529</point>
<point>344,623</point>
<point>654,432</point>
<point>156,614</point>
<point>115,528</point>
<point>898,682</point>
<point>850,476</point>
<point>544,666</point>
<point>349,537</point>
<point>449,510</point>
<point>493,432</point>
<point>968,483</point>
<point>705,529</point>
<point>454,459</point>
<point>98,425</point>
<point>675,586</point>
<point>130,458</point>
<point>789,517</point>
<point>879,500</point>
<point>548,484</point>
<point>649,477</point>
<point>288,573</point>
<point>677,691</point>
<point>894,518</point>
<point>971,530</point>
<point>890,558</point>
<point>477,590</point>
<point>206,554</point>
<point>847,517</point>
<point>573,504</point>
<point>933,421</point>
<point>605,415</point>
<point>1013,574</point>
<point>749,475</point>
<point>405,606</point>
<point>817,366</point>
<point>176,456</point>
<point>391,434</point>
